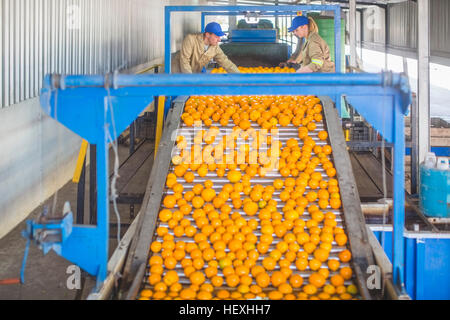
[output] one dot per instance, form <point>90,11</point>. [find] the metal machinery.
<point>111,102</point>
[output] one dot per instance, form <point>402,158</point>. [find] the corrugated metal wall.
<point>402,20</point>
<point>77,36</point>
<point>440,28</point>
<point>38,154</point>
<point>403,24</point>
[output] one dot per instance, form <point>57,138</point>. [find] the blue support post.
<point>398,263</point>
<point>203,21</point>
<point>167,49</point>
<point>102,202</point>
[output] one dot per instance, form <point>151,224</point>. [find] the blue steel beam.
<point>223,80</point>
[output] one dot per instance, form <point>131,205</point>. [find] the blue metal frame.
<point>427,263</point>
<point>267,10</point>
<point>382,99</point>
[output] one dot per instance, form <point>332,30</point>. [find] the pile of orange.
<point>257,70</point>
<point>246,239</point>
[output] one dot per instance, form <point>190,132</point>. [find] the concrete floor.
<point>46,277</point>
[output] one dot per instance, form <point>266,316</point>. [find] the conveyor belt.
<point>285,133</point>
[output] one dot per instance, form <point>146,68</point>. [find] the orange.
<point>170,263</point>
<point>227,271</point>
<point>309,247</point>
<point>278,278</point>
<point>187,294</point>
<point>346,273</point>
<point>232,280</point>
<point>198,263</point>
<point>197,278</point>
<point>155,260</point>
<point>345,296</point>
<point>169,201</point>
<point>165,214</point>
<point>160,286</point>
<point>275,295</point>
<point>341,289</point>
<point>197,202</point>
<point>263,279</point>
<point>234,176</point>
<point>337,280</point>
<point>204,295</point>
<point>327,149</point>
<point>352,289</point>
<point>208,194</point>
<point>217,281</point>
<point>250,208</point>
<point>179,254</point>
<point>311,196</point>
<point>189,177</point>
<point>341,239</point>
<point>156,269</point>
<point>314,264</point>
<point>321,255</point>
<point>333,264</point>
<point>310,289</point>
<point>317,280</point>
<point>331,172</point>
<point>210,272</point>
<point>178,231</point>
<point>269,263</point>
<point>155,246</point>
<point>246,280</point>
<point>330,289</point>
<point>190,231</point>
<point>170,277</point>
<point>296,281</point>
<point>301,264</point>
<point>323,135</point>
<point>223,294</point>
<point>185,209</point>
<point>255,289</point>
<point>278,184</point>
<point>345,255</point>
<point>154,278</point>
<point>285,288</point>
<point>146,293</point>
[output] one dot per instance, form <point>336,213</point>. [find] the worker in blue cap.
<point>199,49</point>
<point>314,54</point>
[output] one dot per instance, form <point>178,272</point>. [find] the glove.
<point>295,66</point>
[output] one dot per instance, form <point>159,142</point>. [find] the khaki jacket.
<point>193,57</point>
<point>315,54</point>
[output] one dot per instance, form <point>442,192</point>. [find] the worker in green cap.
<point>314,54</point>
<point>199,49</point>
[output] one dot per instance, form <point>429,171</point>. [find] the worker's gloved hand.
<point>283,64</point>
<point>295,66</point>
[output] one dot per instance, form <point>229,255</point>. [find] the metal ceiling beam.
<point>423,85</point>
<point>352,31</point>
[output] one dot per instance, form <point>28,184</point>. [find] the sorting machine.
<point>111,102</point>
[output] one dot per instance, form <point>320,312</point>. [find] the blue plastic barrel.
<point>435,192</point>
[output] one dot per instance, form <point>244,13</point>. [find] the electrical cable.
<point>116,175</point>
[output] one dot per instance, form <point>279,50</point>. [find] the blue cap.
<point>214,27</point>
<point>298,22</point>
